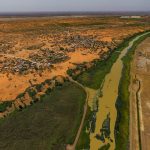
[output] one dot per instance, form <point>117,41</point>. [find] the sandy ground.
<point>17,35</point>
<point>140,69</point>
<point>15,84</point>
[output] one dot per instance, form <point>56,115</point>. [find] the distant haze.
<point>73,5</point>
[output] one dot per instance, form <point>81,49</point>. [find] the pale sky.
<point>73,5</point>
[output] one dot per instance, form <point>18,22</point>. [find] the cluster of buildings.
<point>132,17</point>
<point>48,57</point>
<point>17,65</point>
<point>6,47</point>
<point>42,60</point>
<point>43,57</point>
<point>88,42</point>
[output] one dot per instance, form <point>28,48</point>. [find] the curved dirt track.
<point>72,147</point>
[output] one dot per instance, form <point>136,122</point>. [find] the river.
<point>107,113</point>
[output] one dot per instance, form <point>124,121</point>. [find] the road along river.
<point>107,113</point>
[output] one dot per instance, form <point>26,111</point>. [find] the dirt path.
<point>139,98</point>
<point>134,137</point>
<point>72,147</point>
<point>139,111</point>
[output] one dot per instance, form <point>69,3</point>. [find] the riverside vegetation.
<point>122,105</point>
<point>93,78</point>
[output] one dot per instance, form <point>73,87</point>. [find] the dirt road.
<point>72,147</point>
<point>140,98</point>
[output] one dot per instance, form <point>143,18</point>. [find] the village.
<point>40,49</point>
<point>41,57</point>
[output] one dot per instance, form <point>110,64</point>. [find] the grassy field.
<point>122,124</point>
<point>47,125</point>
<point>84,140</point>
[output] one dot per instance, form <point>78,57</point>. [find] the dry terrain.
<point>140,97</point>
<point>37,49</point>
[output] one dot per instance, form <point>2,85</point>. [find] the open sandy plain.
<point>34,50</point>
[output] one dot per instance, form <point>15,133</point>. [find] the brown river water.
<point>106,103</point>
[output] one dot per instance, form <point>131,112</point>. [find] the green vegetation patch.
<point>94,77</point>
<point>84,140</point>
<point>5,105</point>
<point>48,124</point>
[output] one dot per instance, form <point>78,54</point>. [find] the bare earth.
<point>141,73</point>
<point>33,50</point>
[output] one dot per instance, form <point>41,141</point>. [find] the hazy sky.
<point>74,5</point>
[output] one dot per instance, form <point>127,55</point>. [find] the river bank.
<point>107,113</point>
<point>97,71</point>
<point>139,106</point>
<point>122,105</point>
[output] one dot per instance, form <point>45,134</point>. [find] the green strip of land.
<point>122,124</point>
<point>49,124</point>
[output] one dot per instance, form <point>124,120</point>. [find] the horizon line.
<point>71,13</point>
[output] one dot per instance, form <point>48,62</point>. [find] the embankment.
<point>122,104</point>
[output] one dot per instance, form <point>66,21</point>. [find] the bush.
<point>70,72</point>
<point>39,87</point>
<point>61,48</point>
<point>31,92</point>
<point>20,95</point>
<point>5,105</point>
<point>48,91</point>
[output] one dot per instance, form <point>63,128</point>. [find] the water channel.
<point>107,113</point>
